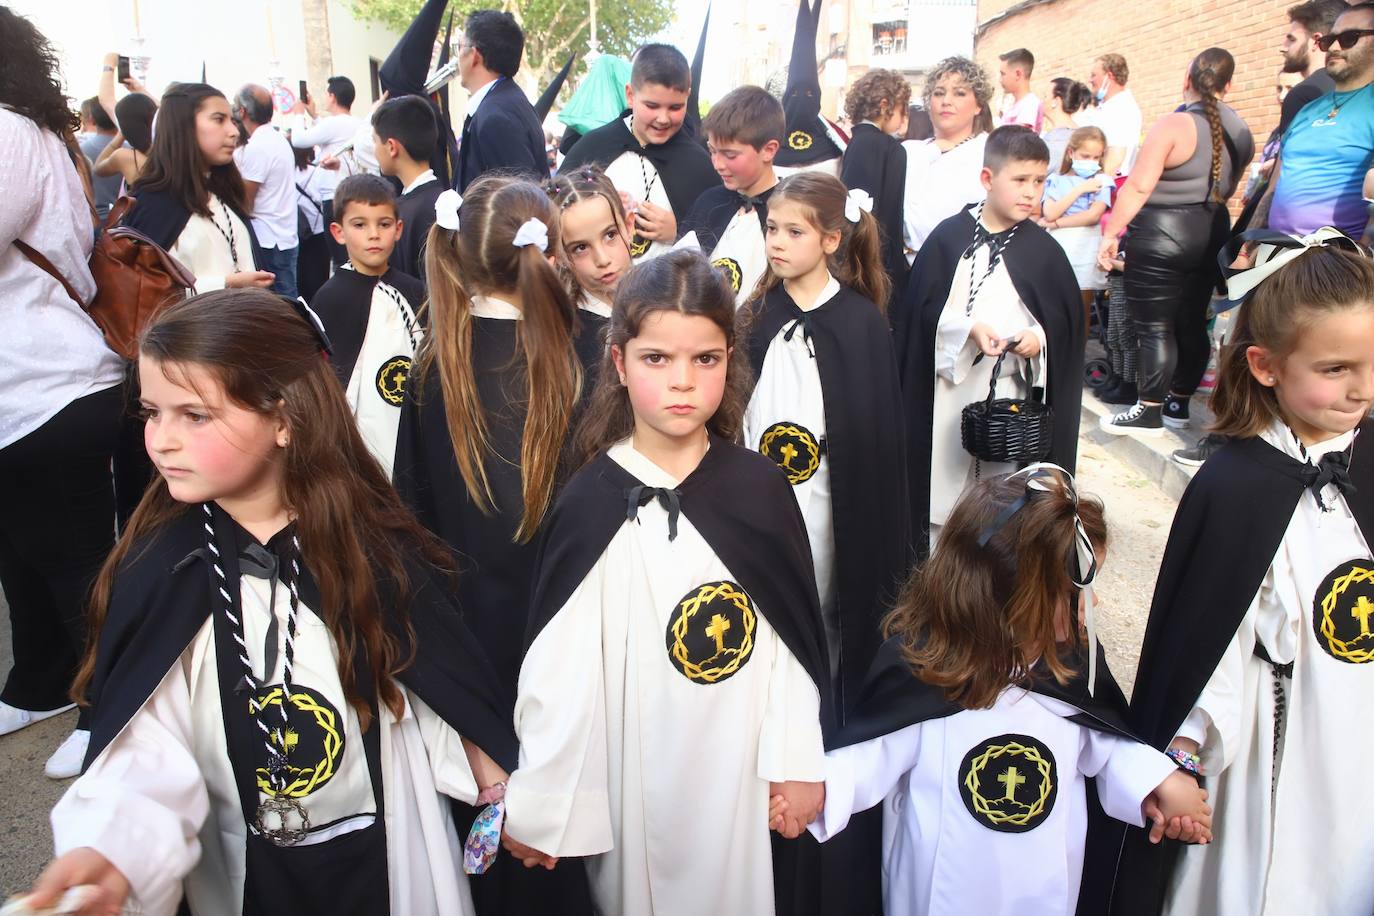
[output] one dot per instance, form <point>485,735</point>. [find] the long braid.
<point>1209,74</point>
<point>1212,110</point>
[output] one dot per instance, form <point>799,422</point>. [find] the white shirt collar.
<point>423,178</point>
<point>475,100</point>
<point>1285,440</point>
<point>492,307</point>
<point>595,305</point>
<point>828,292</point>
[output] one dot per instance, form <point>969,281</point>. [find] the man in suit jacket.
<point>501,130</point>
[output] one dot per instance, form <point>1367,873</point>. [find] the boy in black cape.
<point>402,131</point>
<point>661,168</point>
<point>875,160</point>
<point>1012,252</point>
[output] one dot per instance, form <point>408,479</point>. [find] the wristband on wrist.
<point>492,794</point>
<point>1192,763</point>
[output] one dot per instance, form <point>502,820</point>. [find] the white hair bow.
<point>858,199</point>
<point>688,242</point>
<point>1272,251</point>
<point>532,232</point>
<point>446,209</point>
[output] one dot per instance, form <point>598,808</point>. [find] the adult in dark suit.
<point>501,130</point>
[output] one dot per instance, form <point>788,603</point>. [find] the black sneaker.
<point>1140,420</point>
<point>1124,393</point>
<point>1176,412</point>
<point>1206,447</point>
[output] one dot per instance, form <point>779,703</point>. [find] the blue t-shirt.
<point>1058,186</point>
<point>1324,161</point>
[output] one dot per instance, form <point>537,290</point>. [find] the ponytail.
<point>859,263</point>
<point>1209,74</point>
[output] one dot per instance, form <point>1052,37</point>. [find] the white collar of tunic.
<point>1285,440</point>
<point>492,307</point>
<point>637,463</point>
<point>828,292</point>
<point>595,305</point>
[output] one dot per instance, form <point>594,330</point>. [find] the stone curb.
<point>1148,456</point>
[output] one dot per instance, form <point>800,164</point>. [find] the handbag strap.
<point>47,267</point>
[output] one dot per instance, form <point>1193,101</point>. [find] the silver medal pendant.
<point>282,821</point>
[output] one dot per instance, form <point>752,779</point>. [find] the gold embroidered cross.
<point>1362,609</point>
<point>717,629</point>
<point>1011,779</point>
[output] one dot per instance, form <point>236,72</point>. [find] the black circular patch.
<point>799,140</point>
<point>1009,783</point>
<point>794,449</point>
<point>733,272</point>
<point>1343,612</point>
<point>711,632</point>
<point>639,246</point>
<point>391,379</point>
<point>314,739</point>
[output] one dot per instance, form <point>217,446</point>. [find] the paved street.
<point>1138,512</point>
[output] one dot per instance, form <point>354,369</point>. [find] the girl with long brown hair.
<point>988,712</point>
<point>280,686</point>
<point>677,667</point>
<point>485,433</point>
<point>594,237</point>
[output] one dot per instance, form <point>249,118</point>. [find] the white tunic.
<point>958,382</point>
<point>1028,763</point>
<point>741,254</point>
<point>1297,840</point>
<point>788,395</point>
<point>204,247</point>
<point>637,176</point>
<point>160,801</point>
<point>376,389</point>
<point>624,754</point>
<point>939,185</point>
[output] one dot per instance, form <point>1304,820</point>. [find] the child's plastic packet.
<point>71,902</point>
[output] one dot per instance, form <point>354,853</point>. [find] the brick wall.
<point>1158,38</point>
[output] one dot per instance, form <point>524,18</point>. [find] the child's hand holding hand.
<point>794,805</point>
<point>528,855</point>
<point>1178,809</point>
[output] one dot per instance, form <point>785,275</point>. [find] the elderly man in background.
<point>268,168</point>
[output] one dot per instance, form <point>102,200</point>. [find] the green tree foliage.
<point>553,28</point>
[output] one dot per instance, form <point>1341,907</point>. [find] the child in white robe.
<point>240,753</point>
<point>980,757</point>
<point>594,241</point>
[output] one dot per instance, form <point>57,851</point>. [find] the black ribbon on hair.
<point>1333,468</point>
<point>316,325</point>
<point>668,498</point>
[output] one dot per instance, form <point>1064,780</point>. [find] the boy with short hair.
<point>659,169</point>
<point>1019,105</point>
<point>743,132</point>
<point>987,281</point>
<point>369,310</point>
<point>404,134</point>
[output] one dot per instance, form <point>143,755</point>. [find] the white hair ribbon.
<point>532,232</point>
<point>688,242</point>
<point>858,199</point>
<point>1272,251</point>
<point>446,209</point>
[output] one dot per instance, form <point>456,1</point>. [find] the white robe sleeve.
<point>557,800</point>
<point>790,743</point>
<point>448,760</point>
<point>954,349</point>
<point>143,801</point>
<point>861,775</point>
<point>1126,771</point>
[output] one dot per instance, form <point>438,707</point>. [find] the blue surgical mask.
<point>1101,94</point>
<point>1085,168</point>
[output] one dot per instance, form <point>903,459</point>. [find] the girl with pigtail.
<point>483,437</point>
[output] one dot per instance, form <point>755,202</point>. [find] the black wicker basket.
<point>1007,429</point>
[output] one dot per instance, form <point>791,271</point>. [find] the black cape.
<point>1043,279</point>
<point>165,591</point>
<point>876,163</point>
<point>865,445</point>
<point>161,217</point>
<point>416,211</point>
<point>1232,517</point>
<point>712,212</point>
<point>683,164</point>
<point>344,304</point>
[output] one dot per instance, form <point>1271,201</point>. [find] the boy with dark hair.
<point>501,129</point>
<point>369,311</point>
<point>987,282</point>
<point>1019,105</point>
<point>658,168</point>
<point>743,132</point>
<point>404,134</point>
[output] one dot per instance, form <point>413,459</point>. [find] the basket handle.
<point>997,371</point>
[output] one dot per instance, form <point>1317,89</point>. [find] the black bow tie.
<point>996,241</point>
<point>751,204</point>
<point>1333,468</point>
<point>669,499</point>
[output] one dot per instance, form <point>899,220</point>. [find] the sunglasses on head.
<point>1346,39</point>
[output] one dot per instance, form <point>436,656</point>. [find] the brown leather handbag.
<point>135,278</point>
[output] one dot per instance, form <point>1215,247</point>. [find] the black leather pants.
<point>1171,268</point>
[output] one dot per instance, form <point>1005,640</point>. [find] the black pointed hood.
<point>407,66</point>
<point>445,50</point>
<point>692,123</point>
<point>808,138</point>
<point>545,103</point>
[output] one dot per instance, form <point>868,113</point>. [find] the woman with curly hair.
<point>942,172</point>
<point>875,161</point>
<point>60,398</point>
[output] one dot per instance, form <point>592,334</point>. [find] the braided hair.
<point>1209,74</point>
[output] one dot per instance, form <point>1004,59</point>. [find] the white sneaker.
<point>12,718</point>
<point>66,761</point>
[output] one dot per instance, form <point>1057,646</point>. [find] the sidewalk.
<point>1149,456</point>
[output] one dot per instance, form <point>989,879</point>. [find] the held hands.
<point>793,805</point>
<point>81,867</point>
<point>528,855</point>
<point>1178,809</point>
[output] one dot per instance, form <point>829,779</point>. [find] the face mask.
<point>1085,168</point>
<point>1101,94</point>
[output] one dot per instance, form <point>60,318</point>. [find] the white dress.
<point>787,405</point>
<point>213,247</point>
<point>939,185</point>
<point>160,801</point>
<point>659,774</point>
<point>984,811</point>
<point>1292,826</point>
<point>959,382</point>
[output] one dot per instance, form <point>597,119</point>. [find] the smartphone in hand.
<point>122,71</point>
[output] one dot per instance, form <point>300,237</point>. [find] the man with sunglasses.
<point>1328,152</point>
